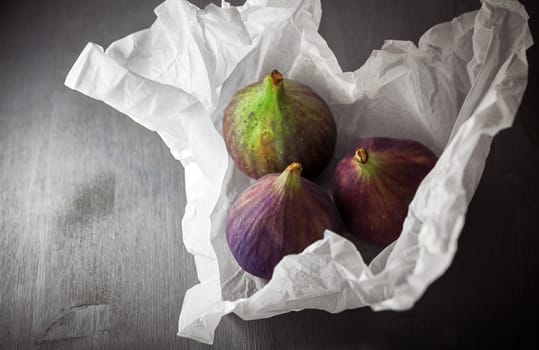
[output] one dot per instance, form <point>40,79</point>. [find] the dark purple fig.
<point>374,184</point>
<point>277,121</point>
<point>280,214</point>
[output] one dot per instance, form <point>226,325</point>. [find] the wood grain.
<point>91,255</point>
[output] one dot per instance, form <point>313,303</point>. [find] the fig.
<point>373,185</point>
<point>277,121</point>
<point>279,214</point>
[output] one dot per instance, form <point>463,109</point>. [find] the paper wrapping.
<point>453,92</point>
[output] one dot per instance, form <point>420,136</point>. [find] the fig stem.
<point>276,77</point>
<point>361,155</point>
<point>273,87</point>
<point>294,167</point>
<point>290,178</point>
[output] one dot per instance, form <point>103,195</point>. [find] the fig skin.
<point>279,214</point>
<point>277,121</point>
<point>373,185</point>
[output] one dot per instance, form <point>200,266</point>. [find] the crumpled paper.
<point>453,92</point>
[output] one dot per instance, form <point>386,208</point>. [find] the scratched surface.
<point>91,204</point>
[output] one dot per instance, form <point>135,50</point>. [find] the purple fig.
<point>280,214</point>
<point>277,121</point>
<point>374,184</point>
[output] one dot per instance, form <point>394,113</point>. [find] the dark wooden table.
<point>91,203</point>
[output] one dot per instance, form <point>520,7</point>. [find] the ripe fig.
<point>280,214</point>
<point>277,121</point>
<point>374,184</point>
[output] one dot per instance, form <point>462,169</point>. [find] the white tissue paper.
<point>453,92</point>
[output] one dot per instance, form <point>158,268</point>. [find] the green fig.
<point>277,121</point>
